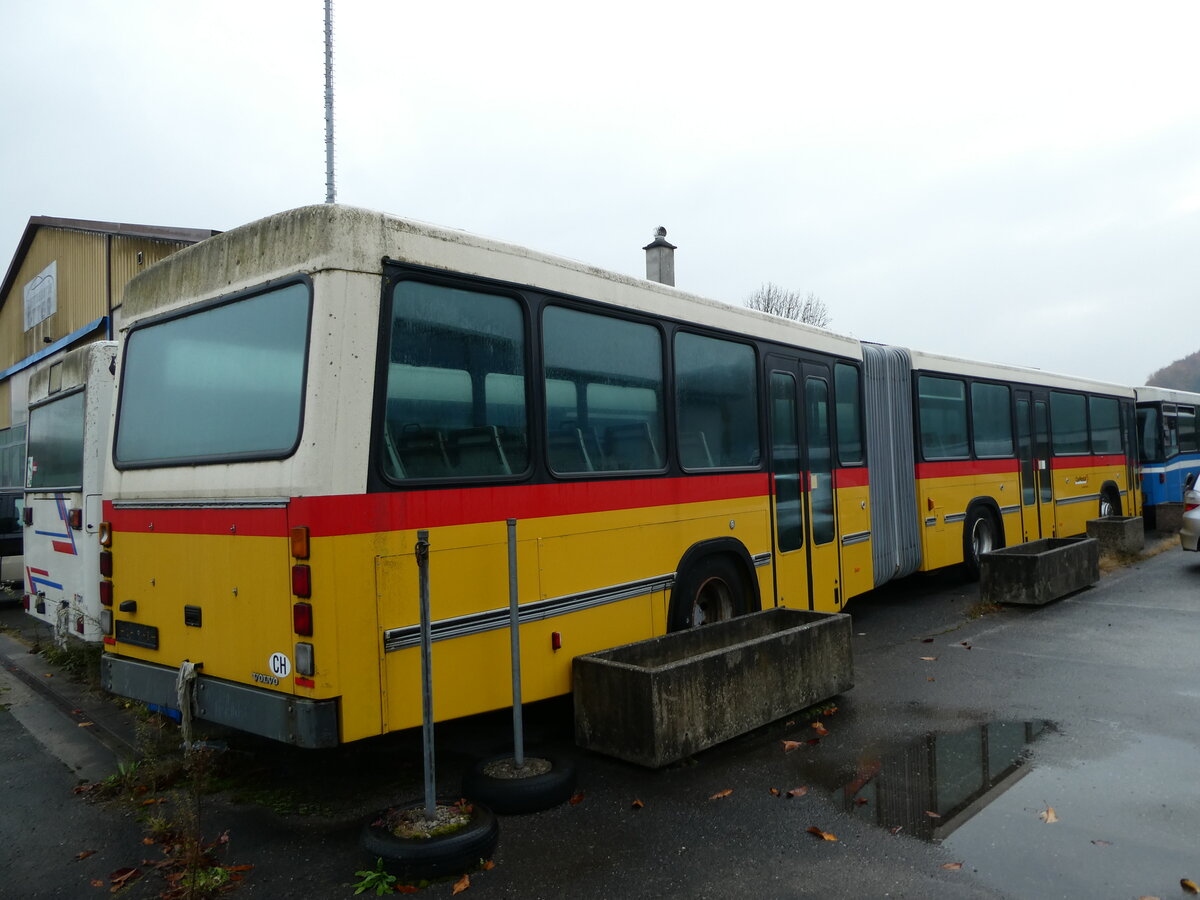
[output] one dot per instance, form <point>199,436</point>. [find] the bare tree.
<point>771,298</point>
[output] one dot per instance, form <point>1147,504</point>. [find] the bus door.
<point>1033,448</point>
<point>807,563</point>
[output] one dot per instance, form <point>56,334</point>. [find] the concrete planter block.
<point>658,701</point>
<point>1118,534</point>
<point>1040,571</point>
<point>1168,517</point>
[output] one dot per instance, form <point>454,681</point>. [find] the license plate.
<point>137,634</point>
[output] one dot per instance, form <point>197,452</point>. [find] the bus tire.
<point>1110,502</point>
<point>520,795</point>
<point>713,589</point>
<point>437,856</point>
<point>981,534</point>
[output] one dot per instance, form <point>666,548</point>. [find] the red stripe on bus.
<point>368,513</point>
<point>956,468</point>
<point>1087,462</point>
<point>856,477</point>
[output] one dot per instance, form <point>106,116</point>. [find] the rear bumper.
<point>293,720</point>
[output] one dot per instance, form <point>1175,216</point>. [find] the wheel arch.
<point>722,546</point>
<point>1113,490</point>
<point>989,504</point>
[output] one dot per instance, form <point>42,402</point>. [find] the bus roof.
<point>934,362</point>
<point>326,237</point>
<point>1152,393</point>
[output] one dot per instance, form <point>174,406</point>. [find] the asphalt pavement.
<point>1016,752</point>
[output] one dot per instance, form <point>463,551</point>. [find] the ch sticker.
<point>280,665</point>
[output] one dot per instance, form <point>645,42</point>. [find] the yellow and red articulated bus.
<point>300,397</point>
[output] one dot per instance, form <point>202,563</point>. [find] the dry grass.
<point>1110,563</point>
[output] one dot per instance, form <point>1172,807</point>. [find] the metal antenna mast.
<point>330,191</point>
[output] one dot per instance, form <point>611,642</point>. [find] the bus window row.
<point>952,428</point>
<point>458,394</point>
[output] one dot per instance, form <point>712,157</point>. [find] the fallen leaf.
<point>154,800</point>
<point>823,835</point>
<point>488,865</point>
<point>1189,886</point>
<point>929,658</point>
<point>860,801</point>
<point>895,829</point>
<point>926,640</point>
<point>813,741</point>
<point>576,799</point>
<point>406,889</point>
<point>85,724</point>
<point>820,729</point>
<point>966,644</point>
<point>48,674</point>
<point>461,885</point>
<point>84,854</point>
<point>123,877</point>
<point>931,679</point>
<point>1102,843</point>
<point>719,794</point>
<point>797,792</point>
<point>149,841</point>
<point>1048,815</point>
<point>932,814</point>
<point>790,724</point>
<point>96,882</point>
<point>774,792</point>
<point>789,746</point>
<point>636,804</point>
<point>953,867</point>
<point>245,868</point>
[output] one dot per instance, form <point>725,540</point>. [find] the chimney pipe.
<point>660,258</point>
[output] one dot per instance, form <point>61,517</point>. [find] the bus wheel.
<point>437,855</point>
<point>980,536</point>
<point>713,590</point>
<point>1110,503</point>
<point>547,780</point>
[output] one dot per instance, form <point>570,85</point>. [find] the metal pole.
<point>330,191</point>
<point>422,553</point>
<point>514,632</point>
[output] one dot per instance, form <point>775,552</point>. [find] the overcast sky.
<point>1016,182</point>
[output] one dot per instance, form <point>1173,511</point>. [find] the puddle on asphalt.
<point>1125,823</point>
<point>933,785</point>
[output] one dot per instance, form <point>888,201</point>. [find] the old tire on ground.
<point>711,590</point>
<point>515,796</point>
<point>981,535</point>
<point>433,857</point>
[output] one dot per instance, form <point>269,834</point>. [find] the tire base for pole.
<point>515,796</point>
<point>436,856</point>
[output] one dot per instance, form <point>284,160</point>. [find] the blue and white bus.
<point>1169,449</point>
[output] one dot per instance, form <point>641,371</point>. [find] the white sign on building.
<point>41,296</point>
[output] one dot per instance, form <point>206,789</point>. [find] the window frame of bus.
<point>972,421</point>
<point>673,426</point>
<point>391,283</point>
<point>665,385</point>
<point>79,391</point>
<point>196,309</point>
<point>840,365</point>
<point>919,418</point>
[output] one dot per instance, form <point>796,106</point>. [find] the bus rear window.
<point>55,458</point>
<point>223,383</point>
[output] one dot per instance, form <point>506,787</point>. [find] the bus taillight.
<point>302,619</point>
<point>106,568</point>
<point>299,536</point>
<point>305,665</point>
<point>75,518</point>
<point>106,593</point>
<point>301,581</point>
<point>104,533</point>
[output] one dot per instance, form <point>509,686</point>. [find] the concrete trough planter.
<point>1118,534</point>
<point>1167,517</point>
<point>658,701</point>
<point>1035,573</point>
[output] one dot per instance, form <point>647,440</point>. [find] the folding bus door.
<point>807,566</point>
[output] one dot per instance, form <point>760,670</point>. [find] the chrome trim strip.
<point>955,517</point>
<point>495,619</point>
<point>1009,510</point>
<point>760,559</point>
<point>857,537</point>
<point>1085,498</point>
<point>244,503</point>
<point>932,520</point>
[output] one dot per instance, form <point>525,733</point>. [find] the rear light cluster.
<point>1191,499</point>
<point>302,609</point>
<point>106,585</point>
